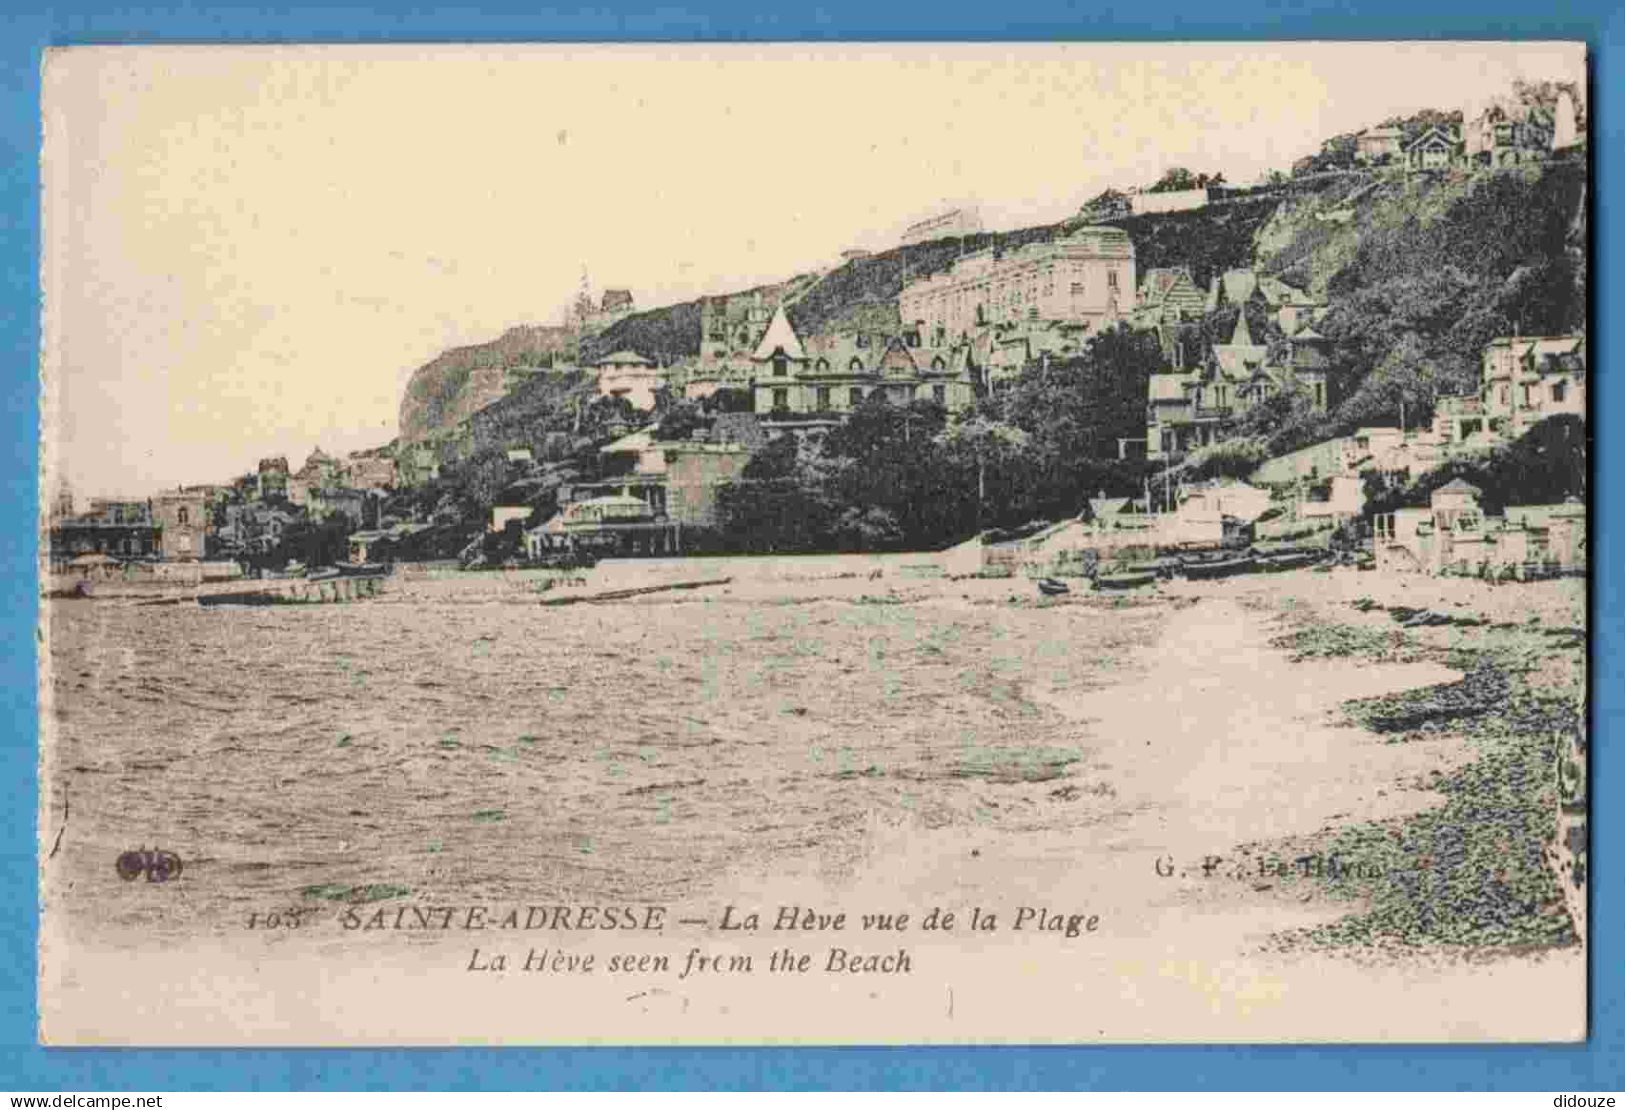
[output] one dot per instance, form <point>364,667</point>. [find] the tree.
<point>983,440</point>
<point>1175,180</point>
<point>682,418</point>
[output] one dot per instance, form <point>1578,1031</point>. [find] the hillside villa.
<point>1378,144</point>
<point>630,375</point>
<point>814,384</point>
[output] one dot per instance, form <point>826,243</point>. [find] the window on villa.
<point>863,341</point>
<point>823,365</point>
<point>781,400</point>
<point>938,365</point>
<point>781,365</point>
<point>181,516</point>
<point>939,393</point>
<point>1111,279</point>
<point>823,398</point>
<point>1559,391</point>
<point>856,397</point>
<point>856,366</point>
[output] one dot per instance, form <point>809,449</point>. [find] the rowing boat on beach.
<point>1287,560</point>
<point>1129,581</point>
<point>1218,568</point>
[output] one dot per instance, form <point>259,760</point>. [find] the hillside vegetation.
<point>1419,271</point>
<point>1421,274</point>
<point>438,395</point>
<point>1207,240</point>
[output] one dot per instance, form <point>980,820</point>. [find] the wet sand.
<point>811,734</point>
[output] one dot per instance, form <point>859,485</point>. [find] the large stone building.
<point>1085,279</point>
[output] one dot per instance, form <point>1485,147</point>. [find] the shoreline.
<point>971,754</point>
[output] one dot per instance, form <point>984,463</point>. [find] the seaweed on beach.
<point>1340,641</point>
<point>1484,690</point>
<point>1472,873</point>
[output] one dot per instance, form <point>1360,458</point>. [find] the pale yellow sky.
<point>249,249</point>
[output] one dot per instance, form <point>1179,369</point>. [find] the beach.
<point>847,732</point>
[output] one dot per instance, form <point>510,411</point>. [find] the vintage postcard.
<point>811,544</point>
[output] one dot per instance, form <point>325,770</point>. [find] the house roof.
<point>1560,345</point>
<point>1160,281</point>
<point>624,358</point>
<point>838,352</point>
<point>779,336</point>
<point>1381,133</point>
<point>1239,361</point>
<point>635,441</point>
<point>1433,136</point>
<point>1237,286</point>
<point>1458,485</point>
<point>1169,387</point>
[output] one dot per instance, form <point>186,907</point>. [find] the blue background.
<point>26,1067</point>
